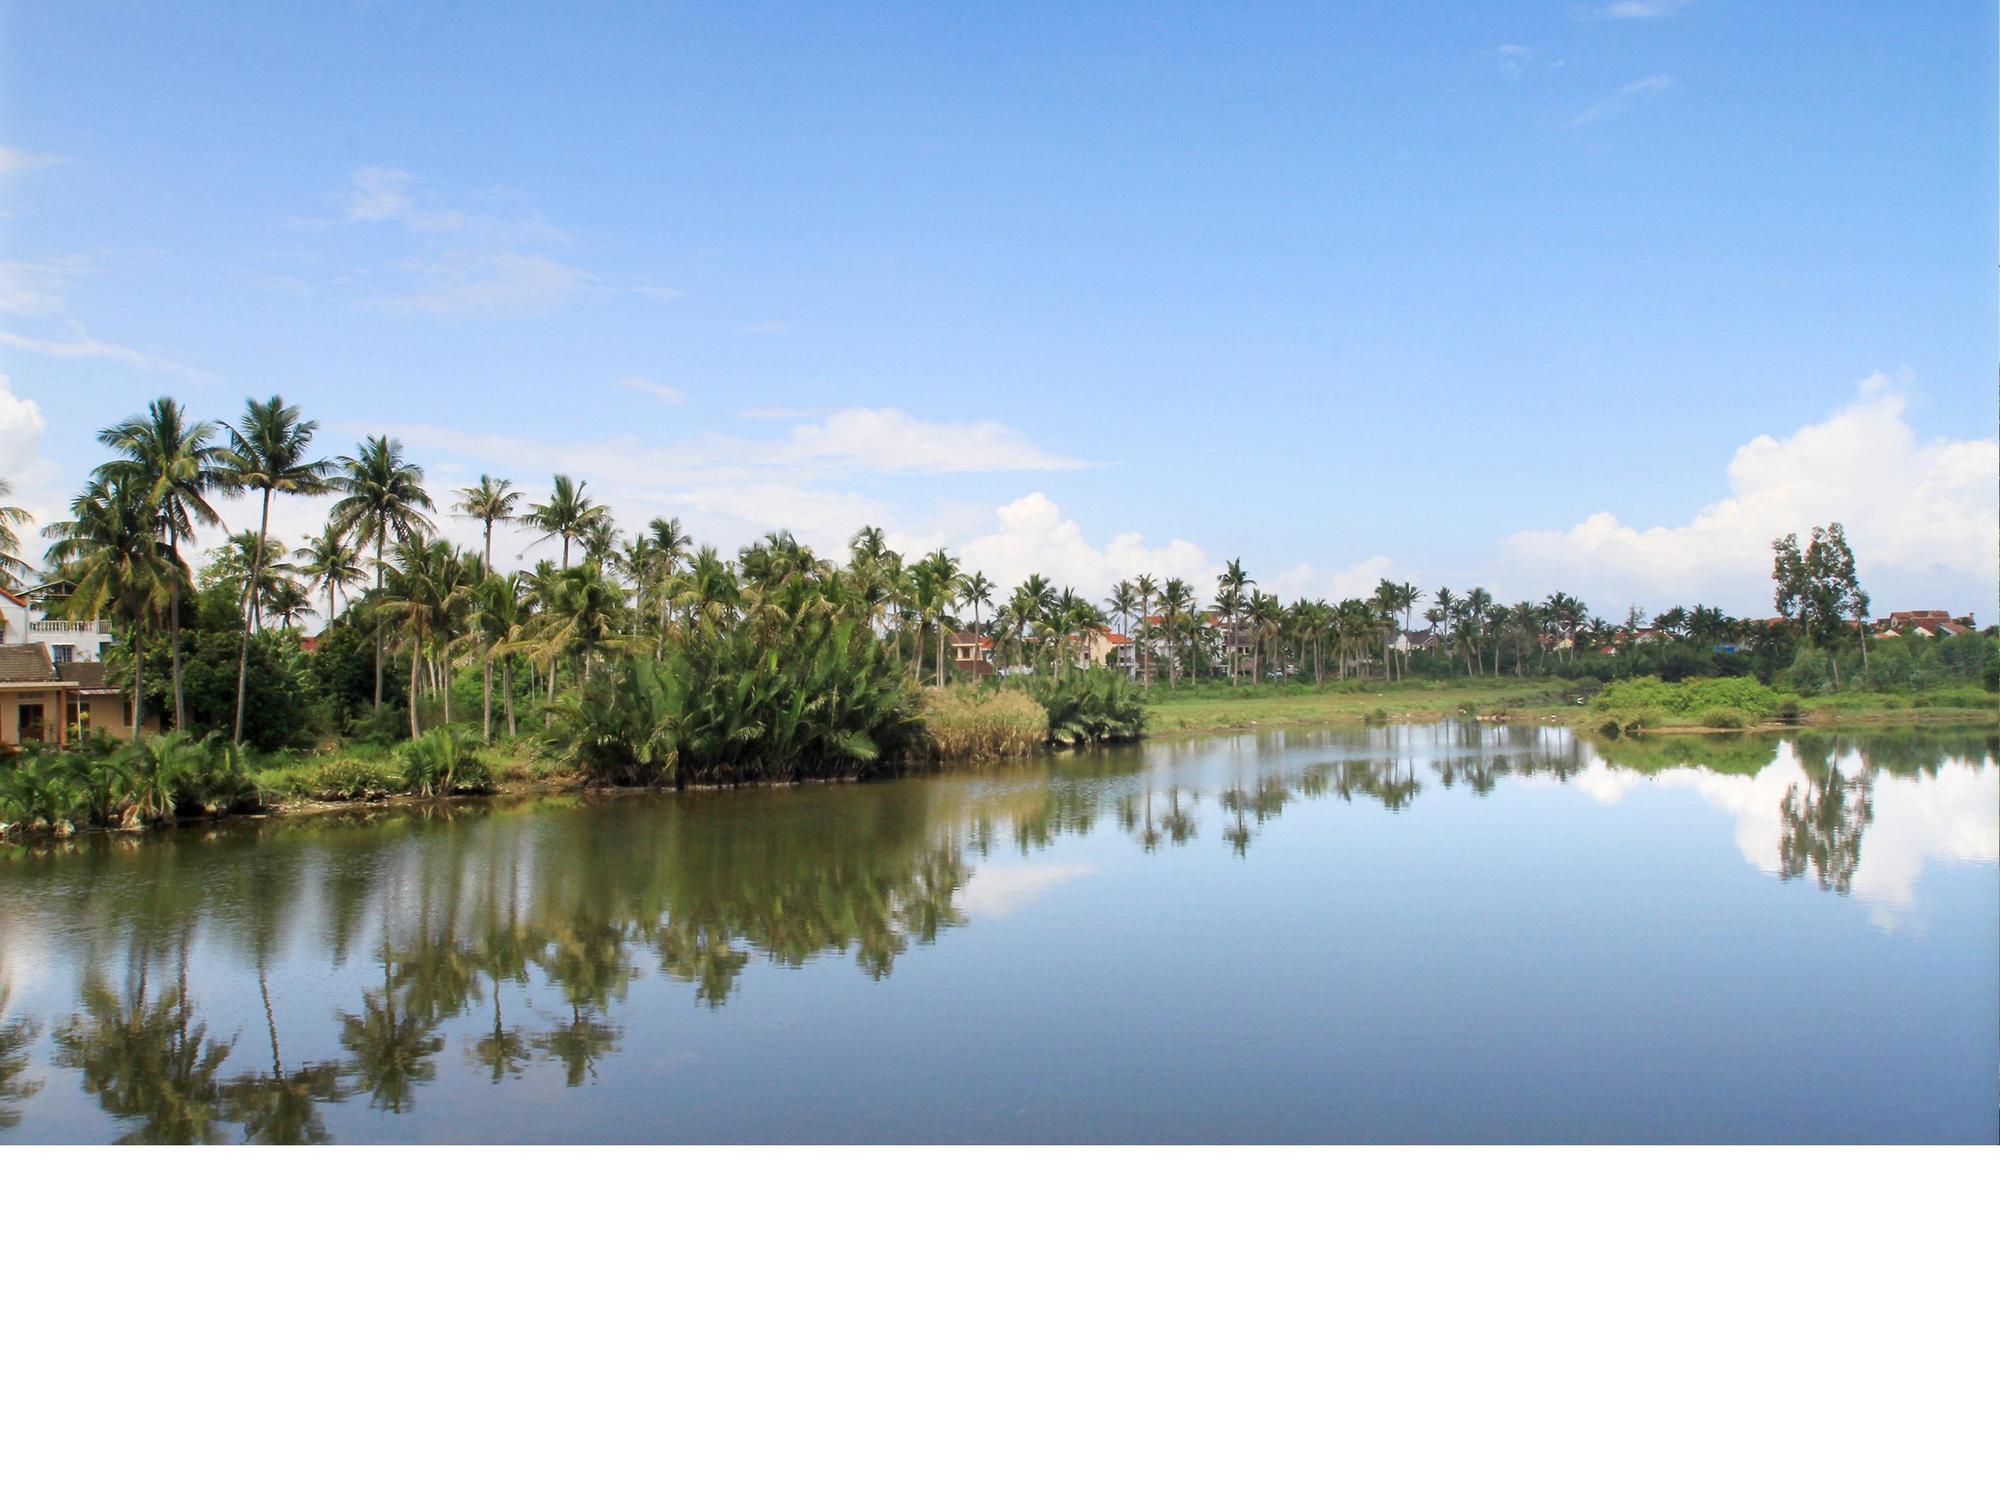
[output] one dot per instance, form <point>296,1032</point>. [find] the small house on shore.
<point>46,703</point>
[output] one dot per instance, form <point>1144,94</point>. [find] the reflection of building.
<point>42,702</point>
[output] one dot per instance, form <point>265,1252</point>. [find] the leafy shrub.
<point>1092,707</point>
<point>983,723</point>
<point>339,779</point>
<point>441,762</point>
<point>103,783</point>
<point>1724,718</point>
<point>1638,701</point>
<point>828,700</point>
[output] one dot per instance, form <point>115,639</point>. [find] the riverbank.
<point>1579,705</point>
<point>456,768</point>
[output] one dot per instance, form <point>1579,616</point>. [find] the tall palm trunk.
<point>414,655</point>
<point>510,700</point>
<point>138,680</point>
<point>253,613</point>
<point>486,698</point>
<point>378,622</point>
<point>174,637</point>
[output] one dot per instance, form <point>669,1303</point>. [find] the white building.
<point>23,622</point>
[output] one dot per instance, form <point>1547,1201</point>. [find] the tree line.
<point>418,610</point>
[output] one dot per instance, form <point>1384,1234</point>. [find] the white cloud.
<point>666,395</point>
<point>486,284</point>
<point>999,890</point>
<point>375,194</point>
<point>1514,58</point>
<point>81,345</point>
<point>1920,516</point>
<point>748,486</point>
<point>1623,99</point>
<point>1641,10</point>
<point>468,263</point>
<point>22,427</point>
<point>13,159</point>
<point>891,440</point>
<point>1918,821</point>
<point>1033,536</point>
<point>1358,581</point>
<point>32,288</point>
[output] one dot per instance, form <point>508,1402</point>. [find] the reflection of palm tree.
<point>390,1054</point>
<point>16,1037</point>
<point>281,1108</point>
<point>502,1049</point>
<point>147,1062</point>
<point>579,1045</point>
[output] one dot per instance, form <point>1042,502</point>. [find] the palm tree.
<point>1232,585</point>
<point>14,570</point>
<point>427,593</point>
<point>1123,601</point>
<point>1176,602</point>
<point>566,513</point>
<point>496,615</point>
<point>1479,612</point>
<point>489,501</point>
<point>976,589</point>
<point>267,452</point>
<point>1388,600</point>
<point>384,503</point>
<point>287,600</point>
<point>1144,587</point>
<point>110,547</point>
<point>331,561</point>
<point>175,463</point>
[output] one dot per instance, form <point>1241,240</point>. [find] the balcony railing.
<point>69,627</point>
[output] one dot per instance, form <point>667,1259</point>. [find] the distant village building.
<point>972,654</point>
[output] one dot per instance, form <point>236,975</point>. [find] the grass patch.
<point>967,723</point>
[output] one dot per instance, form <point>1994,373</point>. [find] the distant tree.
<point>489,502</point>
<point>1817,590</point>
<point>384,503</point>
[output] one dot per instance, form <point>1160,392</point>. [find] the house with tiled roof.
<point>46,703</point>
<point>972,654</point>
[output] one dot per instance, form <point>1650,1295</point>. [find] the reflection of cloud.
<point>1001,890</point>
<point>1946,818</point>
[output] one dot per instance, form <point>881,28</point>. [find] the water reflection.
<point>506,944</point>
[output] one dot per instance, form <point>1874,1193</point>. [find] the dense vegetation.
<point>646,660</point>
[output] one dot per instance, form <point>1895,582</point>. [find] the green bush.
<point>105,783</point>
<point>829,700</point>
<point>1091,708</point>
<point>339,779</point>
<point>1639,701</point>
<point>1724,718</point>
<point>443,762</point>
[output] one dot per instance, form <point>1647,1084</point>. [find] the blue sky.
<point>1344,289</point>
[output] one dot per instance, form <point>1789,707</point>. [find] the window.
<point>62,656</point>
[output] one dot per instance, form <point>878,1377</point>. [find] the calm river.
<point>1429,933</point>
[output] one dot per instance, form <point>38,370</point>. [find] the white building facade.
<point>23,622</point>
